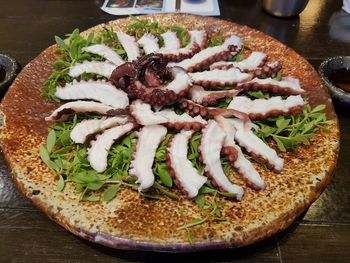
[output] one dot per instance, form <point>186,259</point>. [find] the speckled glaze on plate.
<point>132,222</point>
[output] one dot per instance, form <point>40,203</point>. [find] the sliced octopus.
<point>287,86</point>
<point>256,147</point>
<point>86,128</point>
<point>100,91</point>
<point>204,97</point>
<point>210,147</point>
<point>208,56</point>
<point>79,107</point>
<point>164,94</point>
<point>265,108</point>
<point>269,70</point>
<point>243,166</point>
<point>195,109</point>
<point>144,115</point>
<point>104,68</point>
<point>198,40</point>
<point>185,175</point>
<point>171,41</point>
<point>98,152</point>
<point>254,61</point>
<point>105,52</point>
<point>149,43</point>
<point>148,141</point>
<point>130,45</point>
<point>219,78</point>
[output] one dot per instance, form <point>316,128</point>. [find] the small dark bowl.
<point>325,70</point>
<point>9,68</point>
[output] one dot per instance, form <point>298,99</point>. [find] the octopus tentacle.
<point>210,147</point>
<point>122,75</point>
<point>144,115</point>
<point>151,78</point>
<point>195,109</point>
<point>204,97</point>
<point>210,55</point>
<point>149,43</point>
<point>236,157</point>
<point>84,129</point>
<point>98,152</point>
<point>198,40</point>
<point>265,108</point>
<point>148,141</point>
<point>254,61</point>
<point>105,52</point>
<point>130,45</point>
<point>267,70</point>
<point>78,106</point>
<point>219,78</point>
<point>255,146</point>
<point>185,176</point>
<point>287,86</point>
<point>100,91</point>
<point>104,69</point>
<point>165,94</point>
<point>171,41</point>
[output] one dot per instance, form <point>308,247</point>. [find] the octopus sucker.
<point>98,152</point>
<point>164,94</point>
<point>183,121</point>
<point>198,41</point>
<point>269,70</point>
<point>185,176</point>
<point>105,52</point>
<point>210,147</point>
<point>130,45</point>
<point>254,61</point>
<point>102,68</point>
<point>265,108</point>
<point>204,97</point>
<point>148,141</point>
<point>78,107</point>
<point>84,129</point>
<point>171,41</point>
<point>256,147</point>
<point>220,78</point>
<point>149,43</point>
<point>100,91</point>
<point>287,86</point>
<point>144,115</point>
<point>195,109</point>
<point>209,55</point>
<point>244,167</point>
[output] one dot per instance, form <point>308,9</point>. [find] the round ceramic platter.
<point>131,221</point>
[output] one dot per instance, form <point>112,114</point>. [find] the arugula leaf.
<point>291,131</point>
<point>110,192</point>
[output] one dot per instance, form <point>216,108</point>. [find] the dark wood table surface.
<point>320,235</point>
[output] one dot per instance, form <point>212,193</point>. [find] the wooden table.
<point>321,235</point>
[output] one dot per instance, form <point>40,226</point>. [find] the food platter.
<point>131,221</point>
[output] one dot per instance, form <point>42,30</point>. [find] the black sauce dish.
<point>335,73</point>
<point>9,68</point>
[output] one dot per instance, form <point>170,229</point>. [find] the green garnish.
<point>291,131</point>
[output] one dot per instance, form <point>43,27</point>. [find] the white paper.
<point>132,7</point>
